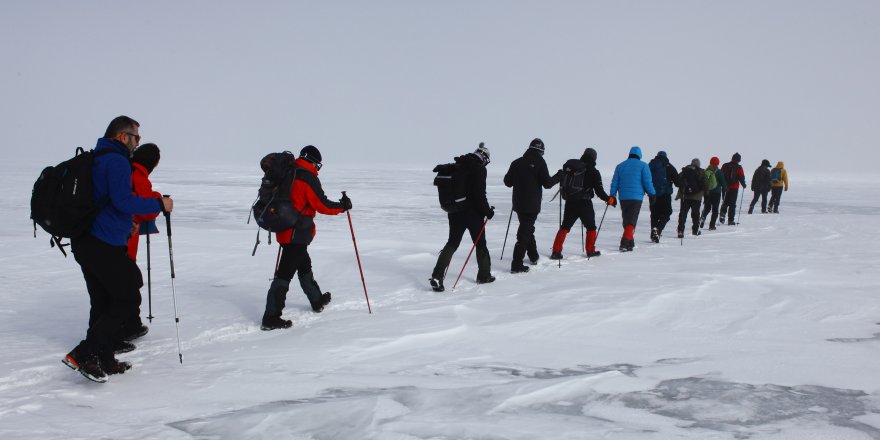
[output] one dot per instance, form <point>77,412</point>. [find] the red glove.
<point>612,201</point>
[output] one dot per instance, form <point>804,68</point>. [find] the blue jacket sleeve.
<point>120,192</point>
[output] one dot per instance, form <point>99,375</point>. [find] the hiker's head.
<point>714,161</point>
<point>736,157</point>
<point>147,155</point>
<point>482,152</point>
<point>589,155</point>
<point>125,130</point>
<point>311,154</point>
<point>695,162</point>
<point>765,163</point>
<point>662,154</point>
<point>537,144</point>
<point>635,152</point>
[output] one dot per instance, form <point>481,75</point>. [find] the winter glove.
<point>744,186</point>
<point>346,202</point>
<point>652,200</point>
<point>491,213</point>
<point>612,201</point>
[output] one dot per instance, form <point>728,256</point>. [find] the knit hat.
<point>146,155</point>
<point>537,144</point>
<point>714,161</point>
<point>695,162</point>
<point>483,153</point>
<point>589,155</point>
<point>737,157</point>
<point>765,163</point>
<point>662,154</point>
<point>311,154</point>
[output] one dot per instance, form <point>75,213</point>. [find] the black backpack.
<point>775,175</point>
<point>452,187</point>
<point>572,184</point>
<point>273,210</point>
<point>690,181</point>
<point>62,201</point>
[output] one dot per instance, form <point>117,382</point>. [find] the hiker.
<point>734,176</point>
<point>528,176</point>
<point>469,218</point>
<point>761,186</point>
<point>778,181</point>
<point>632,179</point>
<point>713,196</point>
<point>307,198</point>
<point>580,180</point>
<point>112,279</point>
<point>693,187</point>
<point>664,176</point>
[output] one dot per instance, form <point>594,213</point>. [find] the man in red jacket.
<point>308,199</point>
<point>735,176</point>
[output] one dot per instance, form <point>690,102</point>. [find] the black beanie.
<point>311,154</point>
<point>765,163</point>
<point>537,144</point>
<point>147,155</point>
<point>589,155</point>
<point>737,157</point>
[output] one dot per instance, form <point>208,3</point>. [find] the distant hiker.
<point>735,176</point>
<point>778,181</point>
<point>694,184</point>
<point>713,196</point>
<point>761,186</point>
<point>308,198</point>
<point>580,180</point>
<point>528,176</point>
<point>664,177</point>
<point>632,179</point>
<point>143,162</point>
<point>470,171</point>
<point>112,279</point>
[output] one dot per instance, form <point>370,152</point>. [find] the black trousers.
<point>713,201</point>
<point>694,207</point>
<point>579,210</point>
<point>661,211</point>
<point>763,196</point>
<point>728,208</point>
<point>295,259</point>
<point>776,195</point>
<point>629,211</point>
<point>113,281</point>
<point>459,222</point>
<point>525,238</point>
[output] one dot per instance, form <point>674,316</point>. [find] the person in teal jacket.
<point>631,180</point>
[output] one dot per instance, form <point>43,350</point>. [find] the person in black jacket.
<point>664,175</point>
<point>527,175</point>
<point>761,186</point>
<point>470,219</point>
<point>578,204</point>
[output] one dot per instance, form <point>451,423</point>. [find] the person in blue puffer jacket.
<point>632,179</point>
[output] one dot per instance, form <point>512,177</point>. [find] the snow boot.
<point>436,284</point>
<point>85,364</point>
<point>275,300</point>
<point>123,347</point>
<point>556,255</point>
<point>681,233</point>
<point>312,291</point>
<point>518,267</point>
<point>486,280</point>
<point>274,322</point>
<point>111,365</point>
<point>655,235</point>
<point>135,332</point>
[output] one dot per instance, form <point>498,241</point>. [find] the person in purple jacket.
<point>632,179</point>
<point>112,279</point>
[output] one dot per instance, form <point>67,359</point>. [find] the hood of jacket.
<point>637,151</point>
<point>780,164</point>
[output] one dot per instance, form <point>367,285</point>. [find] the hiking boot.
<point>712,228</point>
<point>695,231</point>
<point>556,256</point>
<point>111,365</point>
<point>751,209</point>
<point>534,262</point>
<point>680,234</point>
<point>486,280</point>
<point>593,254</point>
<point>702,221</point>
<point>136,332</point>
<point>721,220</point>
<point>91,369</point>
<point>436,284</point>
<point>655,235</point>
<point>123,347</point>
<point>275,323</point>
<point>71,360</point>
<point>319,306</point>
<point>518,267</point>
<point>626,245</point>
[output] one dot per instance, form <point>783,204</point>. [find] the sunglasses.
<point>137,137</point>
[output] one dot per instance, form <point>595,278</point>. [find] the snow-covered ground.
<point>765,330</point>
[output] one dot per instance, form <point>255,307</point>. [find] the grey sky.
<point>417,81</point>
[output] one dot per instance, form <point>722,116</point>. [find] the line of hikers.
<point>103,201</point>
<point>462,192</point>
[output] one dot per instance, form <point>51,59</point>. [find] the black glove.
<point>652,200</point>
<point>346,202</point>
<point>744,186</point>
<point>491,213</point>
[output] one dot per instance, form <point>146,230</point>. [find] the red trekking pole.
<point>356,254</point>
<point>471,252</point>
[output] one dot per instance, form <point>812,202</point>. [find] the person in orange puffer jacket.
<point>308,199</point>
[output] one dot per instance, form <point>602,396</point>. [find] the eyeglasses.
<point>137,137</point>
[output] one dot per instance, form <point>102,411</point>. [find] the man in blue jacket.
<point>112,279</point>
<point>632,179</point>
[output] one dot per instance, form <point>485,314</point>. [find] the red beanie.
<point>714,161</point>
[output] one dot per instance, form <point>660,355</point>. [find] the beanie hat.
<point>311,154</point>
<point>714,161</point>
<point>661,153</point>
<point>483,153</point>
<point>737,157</point>
<point>765,163</point>
<point>695,162</point>
<point>537,144</point>
<point>146,155</point>
<point>589,155</point>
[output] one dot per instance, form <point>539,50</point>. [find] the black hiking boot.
<point>275,322</point>
<point>123,347</point>
<point>518,267</point>
<point>681,234</point>
<point>87,365</point>
<point>712,228</point>
<point>534,262</point>
<point>317,307</point>
<point>436,284</point>
<point>111,365</point>
<point>556,256</point>
<point>486,280</point>
<point>695,231</point>
<point>626,245</point>
<point>702,221</point>
<point>593,254</point>
<point>655,235</point>
<point>136,332</point>
<point>751,208</point>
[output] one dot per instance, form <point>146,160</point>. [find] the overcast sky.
<point>415,82</point>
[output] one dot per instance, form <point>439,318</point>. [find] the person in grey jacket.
<point>761,186</point>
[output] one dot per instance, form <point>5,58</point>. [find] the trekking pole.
<point>582,235</point>
<point>149,284</point>
<point>741,198</point>
<point>600,225</point>
<point>471,252</point>
<point>173,294</point>
<point>277,261</point>
<point>559,261</point>
<point>358,256</point>
<point>505,235</point>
